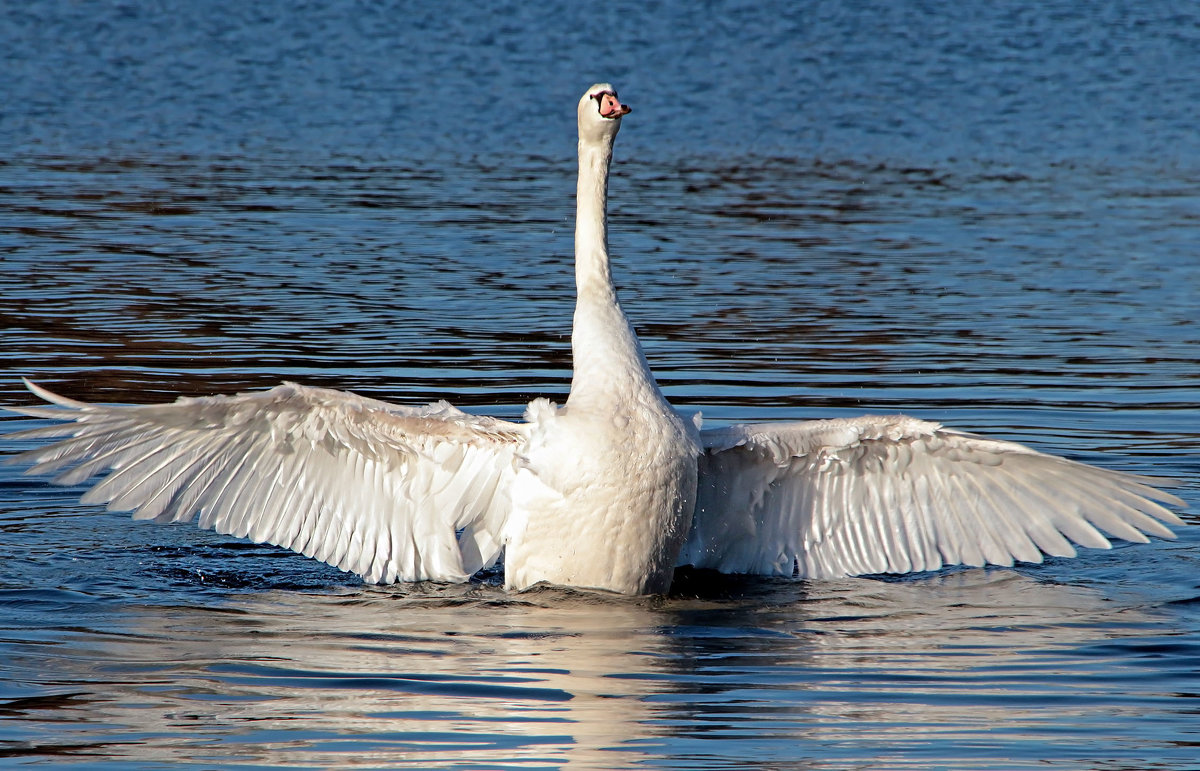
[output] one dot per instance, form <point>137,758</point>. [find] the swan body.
<point>607,495</point>
<point>612,490</point>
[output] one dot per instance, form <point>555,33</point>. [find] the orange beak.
<point>611,107</point>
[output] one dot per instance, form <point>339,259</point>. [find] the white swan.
<point>610,491</point>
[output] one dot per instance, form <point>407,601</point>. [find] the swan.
<point>610,491</point>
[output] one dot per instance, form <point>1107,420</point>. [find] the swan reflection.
<point>447,675</point>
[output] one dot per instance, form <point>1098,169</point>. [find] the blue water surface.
<point>984,214</point>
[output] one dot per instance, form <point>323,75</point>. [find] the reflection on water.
<point>449,676</point>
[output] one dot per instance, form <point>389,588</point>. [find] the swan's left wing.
<point>386,491</point>
<point>896,495</point>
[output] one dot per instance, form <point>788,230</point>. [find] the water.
<point>983,214</point>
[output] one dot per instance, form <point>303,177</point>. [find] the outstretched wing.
<point>373,488</point>
<point>897,495</point>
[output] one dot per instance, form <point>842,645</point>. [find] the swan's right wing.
<point>891,494</point>
<point>373,488</point>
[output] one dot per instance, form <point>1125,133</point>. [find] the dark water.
<point>984,214</point>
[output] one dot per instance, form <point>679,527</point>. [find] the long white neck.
<point>592,272</point>
<point>609,366</point>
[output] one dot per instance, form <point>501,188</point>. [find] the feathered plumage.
<point>611,491</point>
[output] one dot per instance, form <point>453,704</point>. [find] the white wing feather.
<point>897,495</point>
<point>373,488</point>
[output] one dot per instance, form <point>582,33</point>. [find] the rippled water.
<point>982,214</point>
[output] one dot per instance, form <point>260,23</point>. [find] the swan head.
<point>600,113</point>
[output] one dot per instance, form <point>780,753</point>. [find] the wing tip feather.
<point>51,397</point>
